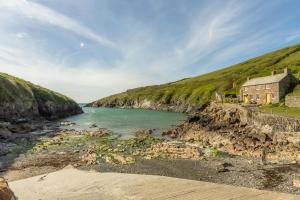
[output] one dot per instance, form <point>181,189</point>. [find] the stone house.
<point>220,97</point>
<point>269,89</point>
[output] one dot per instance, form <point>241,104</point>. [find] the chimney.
<point>273,72</point>
<point>287,71</point>
<point>248,78</point>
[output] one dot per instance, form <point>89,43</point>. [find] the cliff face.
<point>20,99</point>
<point>145,104</point>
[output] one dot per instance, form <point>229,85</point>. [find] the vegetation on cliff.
<point>22,99</point>
<point>201,89</point>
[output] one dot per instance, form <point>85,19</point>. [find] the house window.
<point>245,89</point>
<point>257,87</point>
<point>268,86</point>
<point>257,96</point>
<point>273,96</point>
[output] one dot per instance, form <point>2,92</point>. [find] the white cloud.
<point>21,35</point>
<point>84,82</point>
<point>44,14</point>
<point>215,34</point>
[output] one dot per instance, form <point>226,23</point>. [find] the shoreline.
<point>180,157</point>
<point>62,149</point>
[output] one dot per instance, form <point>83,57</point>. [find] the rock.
<point>108,159</point>
<point>5,148</point>
<point>4,124</point>
<point>93,125</point>
<point>249,142</point>
<point>21,121</point>
<point>250,162</point>
<point>89,158</point>
<point>296,181</point>
<point>122,159</point>
<point>67,123</point>
<point>143,133</point>
<point>174,150</point>
<point>100,132</point>
<point>223,170</point>
<point>22,128</point>
<point>5,192</point>
<point>5,134</point>
<point>171,133</point>
<point>239,147</point>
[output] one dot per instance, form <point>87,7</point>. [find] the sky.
<point>88,49</point>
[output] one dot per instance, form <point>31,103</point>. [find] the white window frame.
<point>245,89</point>
<point>268,86</point>
<point>272,95</point>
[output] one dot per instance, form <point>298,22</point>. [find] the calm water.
<point>126,121</point>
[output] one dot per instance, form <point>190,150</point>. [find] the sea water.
<point>126,121</point>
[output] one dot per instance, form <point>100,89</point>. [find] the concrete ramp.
<point>73,184</point>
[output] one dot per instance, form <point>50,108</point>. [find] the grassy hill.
<point>201,89</point>
<point>22,99</point>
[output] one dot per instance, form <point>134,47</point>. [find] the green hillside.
<point>201,89</point>
<point>22,99</point>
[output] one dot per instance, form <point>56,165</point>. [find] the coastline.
<point>147,155</point>
<point>180,156</point>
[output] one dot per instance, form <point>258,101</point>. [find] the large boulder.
<point>5,192</point>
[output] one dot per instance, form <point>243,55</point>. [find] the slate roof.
<point>265,80</point>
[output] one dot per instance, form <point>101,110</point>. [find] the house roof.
<point>265,80</point>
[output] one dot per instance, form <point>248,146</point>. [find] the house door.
<point>268,98</point>
<point>246,99</point>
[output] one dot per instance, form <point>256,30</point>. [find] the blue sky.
<point>89,49</point>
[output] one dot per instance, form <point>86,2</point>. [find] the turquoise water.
<point>126,121</point>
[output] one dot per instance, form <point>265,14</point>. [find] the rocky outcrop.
<point>145,104</point>
<point>5,192</point>
<point>20,99</point>
<point>240,130</point>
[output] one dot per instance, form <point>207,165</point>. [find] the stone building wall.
<point>292,101</point>
<point>286,85</point>
<point>262,90</point>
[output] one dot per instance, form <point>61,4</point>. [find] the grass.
<point>12,87</point>
<point>14,90</point>
<point>296,91</point>
<point>201,89</point>
<point>280,110</point>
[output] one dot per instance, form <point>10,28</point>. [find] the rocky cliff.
<point>145,104</point>
<point>242,130</point>
<point>20,99</point>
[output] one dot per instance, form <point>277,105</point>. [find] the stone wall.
<point>275,122</point>
<point>292,101</point>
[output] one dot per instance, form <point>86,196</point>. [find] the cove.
<point>126,121</point>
